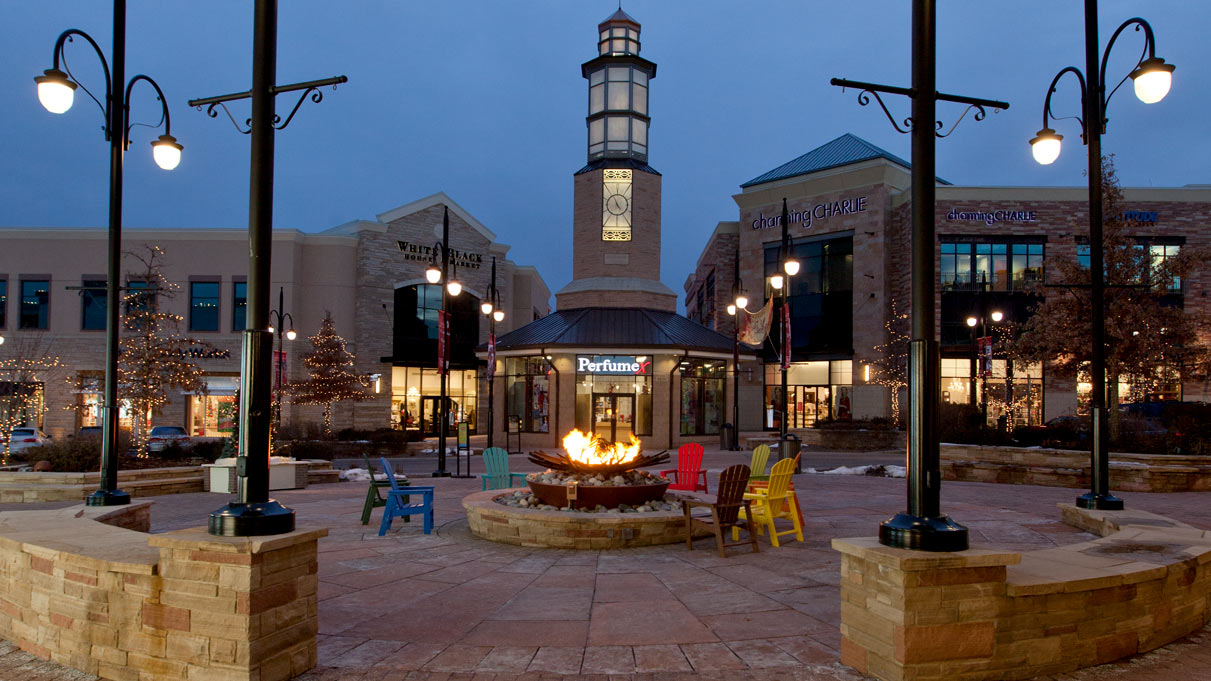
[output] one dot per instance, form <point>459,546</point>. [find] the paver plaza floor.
<point>452,606</point>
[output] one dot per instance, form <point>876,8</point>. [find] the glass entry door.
<point>613,416</point>
<point>430,415</point>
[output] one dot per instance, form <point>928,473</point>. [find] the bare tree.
<point>26,365</point>
<point>891,364</point>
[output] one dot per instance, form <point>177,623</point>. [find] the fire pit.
<point>596,472</point>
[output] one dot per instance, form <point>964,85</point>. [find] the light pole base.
<point>251,520</point>
<point>107,498</point>
<point>940,533</point>
<point>441,473</point>
<point>1099,502</point>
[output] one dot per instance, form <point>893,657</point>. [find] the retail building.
<point>849,212</point>
<point>369,274</point>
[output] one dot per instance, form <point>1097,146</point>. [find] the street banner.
<point>755,327</point>
<point>443,342</point>
<point>786,335</point>
<point>984,350</point>
<point>491,356</point>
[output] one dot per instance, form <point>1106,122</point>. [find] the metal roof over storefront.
<point>615,327</point>
<point>842,151</point>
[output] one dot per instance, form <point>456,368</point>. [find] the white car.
<point>24,438</point>
<point>161,436</point>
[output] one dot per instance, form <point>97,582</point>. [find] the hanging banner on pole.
<point>984,350</point>
<point>443,342</point>
<point>491,356</point>
<point>755,327</point>
<point>786,335</point>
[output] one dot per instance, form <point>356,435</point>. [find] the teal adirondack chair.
<point>496,460</point>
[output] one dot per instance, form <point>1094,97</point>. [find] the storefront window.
<point>528,389</point>
<point>815,391</point>
<point>1014,390</point>
<point>416,399</point>
<point>702,398</point>
<point>614,395</point>
<point>213,413</point>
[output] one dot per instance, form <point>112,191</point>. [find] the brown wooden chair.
<point>725,511</point>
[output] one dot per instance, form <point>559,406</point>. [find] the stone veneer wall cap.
<point>869,548</point>
<point>199,538</point>
<point>616,284</point>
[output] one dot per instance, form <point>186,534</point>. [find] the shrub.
<point>74,455</point>
<point>964,424</point>
<point>207,449</point>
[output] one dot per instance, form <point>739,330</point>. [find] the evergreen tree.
<point>153,354</point>
<point>891,364</point>
<point>331,379</point>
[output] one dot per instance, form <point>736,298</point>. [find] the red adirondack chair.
<point>689,469</point>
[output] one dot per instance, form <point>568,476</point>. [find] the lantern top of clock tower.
<point>618,117</point>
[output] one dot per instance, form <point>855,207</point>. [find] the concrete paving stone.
<point>364,578</point>
<point>608,660</point>
<point>660,658</point>
<point>766,624</point>
<point>463,572</point>
<point>507,659</point>
<point>711,656</point>
<point>616,624</point>
<point>761,653</point>
<point>530,564</point>
<point>806,649</point>
<point>458,658</point>
<point>727,601</point>
<point>326,590</point>
<point>630,586</point>
<point>528,632</point>
<point>573,576</point>
<point>366,654</point>
<point>557,659</point>
<point>398,593</point>
<point>412,656</point>
<point>329,647</point>
<point>547,603</point>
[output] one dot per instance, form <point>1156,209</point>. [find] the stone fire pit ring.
<point>567,530</point>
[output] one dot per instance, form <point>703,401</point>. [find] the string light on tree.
<point>332,379</point>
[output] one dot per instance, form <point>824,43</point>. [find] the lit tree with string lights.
<point>24,370</point>
<point>891,364</point>
<point>154,356</point>
<point>331,379</point>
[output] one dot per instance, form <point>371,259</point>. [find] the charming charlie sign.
<point>820,211</point>
<point>991,217</point>
<point>613,365</point>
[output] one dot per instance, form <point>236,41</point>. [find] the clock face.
<point>618,205</point>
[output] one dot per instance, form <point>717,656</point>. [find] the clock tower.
<point>616,213</point>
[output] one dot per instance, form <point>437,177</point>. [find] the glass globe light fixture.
<point>271,329</point>
<point>1152,80</point>
<point>742,302</point>
<point>776,281</point>
<point>498,315</point>
<point>1046,146</point>
<point>432,274</point>
<point>486,308</point>
<point>731,310</point>
<point>454,287</point>
<point>791,267</point>
<point>997,315</point>
<point>55,91</point>
<point>291,335</point>
<point>972,321</point>
<point>166,152</point>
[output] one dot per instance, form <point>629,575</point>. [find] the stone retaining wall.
<point>1066,468</point>
<point>986,614</point>
<point>30,487</point>
<point>135,607</point>
<point>559,529</point>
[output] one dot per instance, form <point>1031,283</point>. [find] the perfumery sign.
<point>817,213</point>
<point>421,253</point>
<point>614,365</point>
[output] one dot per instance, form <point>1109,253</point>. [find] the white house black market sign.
<point>613,365</point>
<point>421,253</point>
<point>817,213</point>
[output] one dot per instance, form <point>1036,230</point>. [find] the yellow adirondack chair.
<point>757,465</point>
<point>776,501</point>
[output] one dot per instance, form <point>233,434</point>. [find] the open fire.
<point>595,451</point>
<point>597,472</point>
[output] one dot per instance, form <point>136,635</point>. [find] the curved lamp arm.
<point>1049,114</point>
<point>1149,51</point>
<point>165,119</point>
<point>66,37</point>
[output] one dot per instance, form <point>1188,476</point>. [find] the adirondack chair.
<point>496,461</point>
<point>725,511</point>
<point>760,485</point>
<point>771,503</point>
<point>374,497</point>
<point>399,503</point>
<point>757,465</point>
<point>689,469</point>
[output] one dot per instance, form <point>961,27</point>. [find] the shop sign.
<point>613,365</point>
<point>820,211</point>
<point>422,253</point>
<point>991,217</point>
<point>1139,216</point>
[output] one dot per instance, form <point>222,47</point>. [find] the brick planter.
<point>563,530</point>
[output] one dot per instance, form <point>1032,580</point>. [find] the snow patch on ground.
<point>362,475</point>
<point>876,471</point>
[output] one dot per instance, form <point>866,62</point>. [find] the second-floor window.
<point>3,303</point>
<point>204,306</point>
<point>239,305</point>
<point>93,298</point>
<point>35,304</point>
<point>1001,266</point>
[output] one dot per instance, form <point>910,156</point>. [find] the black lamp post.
<point>739,304</point>
<point>788,266</point>
<point>278,320</point>
<point>1152,78</point>
<point>452,288</point>
<point>980,370</point>
<point>255,514</point>
<point>492,310</point>
<point>56,90</point>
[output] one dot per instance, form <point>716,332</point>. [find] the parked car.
<point>25,438</point>
<point>161,436</point>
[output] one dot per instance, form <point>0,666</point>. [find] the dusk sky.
<point>483,99</point>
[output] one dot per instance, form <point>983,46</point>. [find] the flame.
<point>597,451</point>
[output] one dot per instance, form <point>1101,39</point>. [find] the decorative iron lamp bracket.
<point>311,87</point>
<point>867,90</point>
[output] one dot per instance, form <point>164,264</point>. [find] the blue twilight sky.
<point>483,99</point>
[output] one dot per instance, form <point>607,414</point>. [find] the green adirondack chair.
<point>374,498</point>
<point>496,461</point>
<point>757,466</point>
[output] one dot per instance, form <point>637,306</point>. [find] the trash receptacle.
<point>789,448</point>
<point>727,437</point>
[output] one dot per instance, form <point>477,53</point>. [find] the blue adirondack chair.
<point>496,461</point>
<point>399,502</point>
